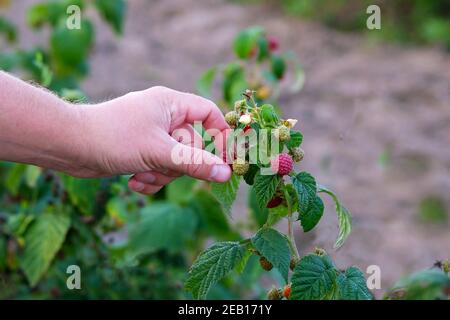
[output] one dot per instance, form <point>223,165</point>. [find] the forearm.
<point>36,127</point>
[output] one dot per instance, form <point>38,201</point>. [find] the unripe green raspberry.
<point>240,105</point>
<point>283,133</point>
<point>240,168</point>
<point>274,294</point>
<point>320,252</point>
<point>297,154</point>
<point>232,118</point>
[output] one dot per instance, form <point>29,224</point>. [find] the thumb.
<point>196,163</point>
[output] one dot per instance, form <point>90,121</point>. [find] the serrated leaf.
<point>113,11</point>
<point>314,278</point>
<point>204,84</point>
<point>312,216</point>
<point>240,266</point>
<point>275,248</point>
<point>352,285</point>
<point>265,187</point>
<point>344,218</point>
<point>296,140</point>
<point>42,241</point>
<point>211,266</point>
<point>226,192</point>
<point>306,188</point>
<point>161,226</point>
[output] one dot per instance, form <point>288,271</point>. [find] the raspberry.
<point>320,252</point>
<point>240,168</point>
<point>282,164</point>
<point>273,43</point>
<point>265,264</point>
<point>283,133</point>
<point>232,118</point>
<point>287,291</point>
<point>274,294</point>
<point>240,105</point>
<point>297,154</point>
<point>274,202</point>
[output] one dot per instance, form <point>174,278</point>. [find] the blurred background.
<point>374,110</point>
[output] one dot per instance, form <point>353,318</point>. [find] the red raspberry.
<point>273,43</point>
<point>282,164</point>
<point>287,291</point>
<point>274,202</point>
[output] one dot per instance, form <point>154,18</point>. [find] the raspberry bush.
<point>286,195</point>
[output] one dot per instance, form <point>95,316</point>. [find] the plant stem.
<point>291,237</point>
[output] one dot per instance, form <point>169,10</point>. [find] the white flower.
<point>291,122</point>
<point>245,119</point>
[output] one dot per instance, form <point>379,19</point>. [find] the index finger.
<point>192,108</point>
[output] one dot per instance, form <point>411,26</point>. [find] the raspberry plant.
<point>288,195</point>
<point>260,66</point>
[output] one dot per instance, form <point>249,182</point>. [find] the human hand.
<point>139,133</point>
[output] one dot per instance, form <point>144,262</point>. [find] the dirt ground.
<point>360,100</point>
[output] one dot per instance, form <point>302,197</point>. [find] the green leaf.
<point>211,266</point>
<point>311,217</point>
<point>180,190</point>
<point>352,285</point>
<point>265,187</point>
<point>344,218</point>
<point>278,66</point>
<point>212,218</point>
<point>295,141</point>
<point>8,29</point>
<point>204,84</point>
<point>42,241</point>
<point>269,116</point>
<point>259,214</point>
<point>161,226</point>
<point>423,285</point>
<point>314,278</point>
<point>246,41</point>
<point>82,193</point>
<point>32,174</point>
<point>306,187</point>
<point>275,248</point>
<point>226,192</point>
<point>240,266</point>
<point>14,178</point>
<point>263,49</point>
<point>71,46</point>
<point>3,253</point>
<point>113,11</point>
<point>249,177</point>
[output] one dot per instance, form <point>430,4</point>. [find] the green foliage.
<point>275,248</point>
<point>352,285</point>
<point>42,242</point>
<point>8,30</point>
<point>226,192</point>
<point>265,187</point>
<point>311,217</point>
<point>314,278</point>
<point>211,266</point>
<point>113,11</point>
<point>429,284</point>
<point>306,187</point>
<point>344,218</point>
<point>161,226</point>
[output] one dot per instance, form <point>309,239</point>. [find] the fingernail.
<point>220,173</point>
<point>147,178</point>
<point>138,186</point>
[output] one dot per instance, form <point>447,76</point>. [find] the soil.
<point>362,100</point>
